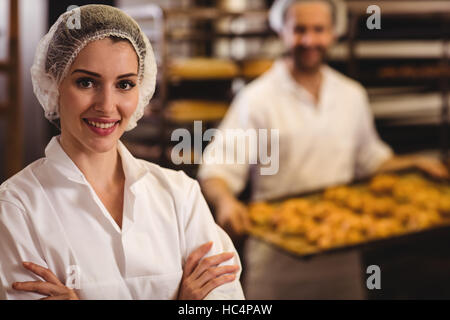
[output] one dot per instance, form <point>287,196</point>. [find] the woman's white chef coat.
<point>50,215</point>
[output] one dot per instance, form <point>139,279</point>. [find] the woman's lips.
<point>102,127</point>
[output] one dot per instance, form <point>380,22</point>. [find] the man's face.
<point>308,33</point>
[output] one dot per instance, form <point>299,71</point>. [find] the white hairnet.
<point>58,49</point>
<point>279,8</point>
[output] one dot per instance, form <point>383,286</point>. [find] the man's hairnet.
<point>278,12</point>
<point>72,31</point>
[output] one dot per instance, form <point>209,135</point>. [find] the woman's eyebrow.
<point>87,72</point>
<point>99,76</point>
<point>127,75</point>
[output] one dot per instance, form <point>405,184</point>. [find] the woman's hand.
<point>201,275</point>
<point>51,287</point>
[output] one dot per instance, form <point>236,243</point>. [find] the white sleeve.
<point>200,228</point>
<point>18,243</point>
<point>371,150</point>
<point>235,175</point>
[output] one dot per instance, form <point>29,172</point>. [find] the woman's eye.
<point>126,85</point>
<point>85,83</point>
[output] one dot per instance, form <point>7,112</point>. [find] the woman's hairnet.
<point>72,31</point>
<point>278,11</point>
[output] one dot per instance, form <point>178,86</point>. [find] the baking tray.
<point>299,247</point>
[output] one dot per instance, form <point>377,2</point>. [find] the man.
<point>326,137</point>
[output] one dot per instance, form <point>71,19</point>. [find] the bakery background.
<point>207,50</point>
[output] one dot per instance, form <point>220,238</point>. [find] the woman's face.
<point>99,95</point>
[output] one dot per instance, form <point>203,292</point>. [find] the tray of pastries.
<point>382,207</point>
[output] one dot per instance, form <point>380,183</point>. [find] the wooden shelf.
<point>199,36</point>
<point>209,13</point>
<point>411,7</point>
<point>202,68</point>
<point>392,49</point>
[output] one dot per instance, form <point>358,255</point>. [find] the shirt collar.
<point>134,169</point>
<point>59,158</point>
<point>285,78</point>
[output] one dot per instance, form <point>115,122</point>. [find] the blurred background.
<point>207,50</point>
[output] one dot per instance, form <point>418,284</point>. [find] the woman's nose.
<point>105,101</point>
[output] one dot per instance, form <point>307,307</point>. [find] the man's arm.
<point>430,165</point>
<point>221,182</point>
<point>231,214</point>
<point>374,156</point>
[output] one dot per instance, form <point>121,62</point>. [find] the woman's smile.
<point>102,127</point>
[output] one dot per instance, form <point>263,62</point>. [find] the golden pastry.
<point>444,206</point>
<point>261,213</point>
<point>383,183</point>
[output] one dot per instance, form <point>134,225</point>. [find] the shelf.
<point>202,68</point>
<point>198,36</point>
<point>407,106</point>
<point>224,70</point>
<point>254,68</point>
<point>389,7</point>
<point>414,72</point>
<point>187,111</point>
<point>417,120</point>
<point>391,50</point>
<point>209,13</point>
<point>389,90</point>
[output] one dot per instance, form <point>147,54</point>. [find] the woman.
<point>89,221</point>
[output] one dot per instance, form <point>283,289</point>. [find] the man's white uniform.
<point>320,145</point>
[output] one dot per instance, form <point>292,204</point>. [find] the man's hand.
<point>202,275</point>
<point>432,166</point>
<point>232,215</point>
<point>51,287</point>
